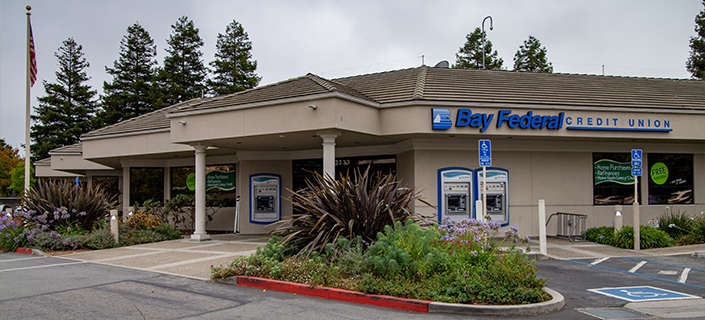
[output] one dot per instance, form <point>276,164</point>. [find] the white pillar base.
<point>200,237</point>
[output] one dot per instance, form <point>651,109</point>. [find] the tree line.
<point>531,56</point>
<point>139,85</point>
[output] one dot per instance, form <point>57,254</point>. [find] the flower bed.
<point>451,262</point>
<point>56,232</point>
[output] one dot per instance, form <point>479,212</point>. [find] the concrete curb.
<point>555,304</point>
<point>335,294</point>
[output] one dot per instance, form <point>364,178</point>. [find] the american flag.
<point>32,58</point>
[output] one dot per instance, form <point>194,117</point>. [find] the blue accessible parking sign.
<point>642,293</point>
<point>636,171</point>
<point>636,157</point>
<point>485,147</point>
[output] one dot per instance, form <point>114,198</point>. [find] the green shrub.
<point>676,224</point>
<point>602,235</point>
<point>168,231</point>
<point>648,237</point>
<point>699,228</point>
<point>406,251</point>
<point>98,240</point>
<point>138,236</point>
<point>75,204</point>
<point>684,229</point>
<point>361,205</point>
<point>181,210</point>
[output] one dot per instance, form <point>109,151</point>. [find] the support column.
<point>167,183</point>
<point>125,192</point>
<point>329,152</point>
<point>199,233</point>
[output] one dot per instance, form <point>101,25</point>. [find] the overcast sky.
<point>643,38</point>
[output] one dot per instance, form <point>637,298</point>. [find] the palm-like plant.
<point>83,205</point>
<point>348,207</point>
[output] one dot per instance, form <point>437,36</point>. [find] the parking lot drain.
<point>615,313</point>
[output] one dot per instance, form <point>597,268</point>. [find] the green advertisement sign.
<point>613,171</point>
<point>214,179</point>
<point>659,173</point>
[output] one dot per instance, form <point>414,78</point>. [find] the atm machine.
<point>265,192</point>
<point>455,192</point>
<point>497,194</point>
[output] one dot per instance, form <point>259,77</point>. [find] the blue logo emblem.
<point>441,119</point>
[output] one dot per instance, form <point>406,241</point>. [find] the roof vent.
<point>442,64</point>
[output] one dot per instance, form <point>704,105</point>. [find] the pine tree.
<point>233,69</point>
<point>133,91</point>
<point>696,61</point>
<point>68,109</point>
<point>184,73</point>
<point>531,57</point>
<point>470,55</point>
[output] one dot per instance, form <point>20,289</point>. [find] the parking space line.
<point>22,259</point>
<point>684,275</point>
<point>663,264</point>
<point>43,266</point>
<point>637,266</point>
<point>600,260</point>
<point>636,274</point>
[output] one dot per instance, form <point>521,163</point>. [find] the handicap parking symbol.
<point>642,293</point>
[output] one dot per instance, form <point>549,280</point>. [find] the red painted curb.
<point>20,250</point>
<point>335,294</point>
<point>24,250</point>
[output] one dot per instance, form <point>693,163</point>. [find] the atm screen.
<point>265,204</point>
<point>494,203</point>
<point>456,203</point>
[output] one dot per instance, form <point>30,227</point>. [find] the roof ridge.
<point>325,83</point>
<point>420,83</point>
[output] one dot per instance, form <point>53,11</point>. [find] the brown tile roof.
<point>154,120</point>
<point>562,89</point>
<point>452,85</point>
<point>307,85</point>
<point>43,162</point>
<point>74,148</point>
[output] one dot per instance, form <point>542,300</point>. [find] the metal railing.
<point>569,225</point>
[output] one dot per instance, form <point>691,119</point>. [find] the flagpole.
<point>26,120</point>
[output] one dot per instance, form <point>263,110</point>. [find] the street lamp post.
<point>483,39</point>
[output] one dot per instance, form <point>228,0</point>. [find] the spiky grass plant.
<point>82,205</point>
<point>360,205</point>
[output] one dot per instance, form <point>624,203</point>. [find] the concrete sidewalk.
<point>178,257</point>
<point>561,249</point>
<point>193,259</point>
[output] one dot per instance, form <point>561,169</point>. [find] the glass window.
<point>670,178</point>
<point>220,181</point>
<point>613,182</point>
<point>303,169</point>
<point>146,184</point>
<point>111,185</point>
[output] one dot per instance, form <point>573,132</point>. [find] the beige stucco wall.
<point>562,178</point>
<point>416,119</point>
<point>331,113</point>
<point>249,167</point>
<point>131,146</point>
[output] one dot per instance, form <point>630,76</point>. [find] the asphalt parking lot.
<point>169,280</point>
